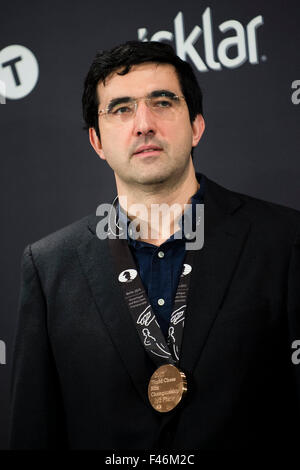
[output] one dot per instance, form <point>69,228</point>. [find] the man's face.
<point>121,141</point>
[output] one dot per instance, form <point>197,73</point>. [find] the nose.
<point>144,120</point>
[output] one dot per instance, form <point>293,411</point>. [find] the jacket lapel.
<point>98,267</point>
<point>225,233</point>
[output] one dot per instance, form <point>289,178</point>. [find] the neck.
<point>156,224</point>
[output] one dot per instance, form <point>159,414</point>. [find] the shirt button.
<point>161,302</point>
<point>160,254</point>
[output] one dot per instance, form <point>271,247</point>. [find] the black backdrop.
<point>50,175</point>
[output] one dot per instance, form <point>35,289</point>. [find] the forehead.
<point>141,80</point>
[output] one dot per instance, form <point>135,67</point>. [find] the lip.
<point>148,150</point>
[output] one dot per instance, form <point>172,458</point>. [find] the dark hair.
<point>133,53</point>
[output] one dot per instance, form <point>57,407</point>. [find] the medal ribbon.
<point>149,331</point>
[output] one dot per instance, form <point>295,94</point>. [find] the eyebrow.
<point>126,99</point>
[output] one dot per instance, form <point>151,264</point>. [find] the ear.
<point>96,143</point>
<point>198,127</point>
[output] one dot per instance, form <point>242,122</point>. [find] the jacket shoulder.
<point>62,241</point>
<point>280,219</point>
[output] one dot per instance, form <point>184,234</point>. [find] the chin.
<point>162,176</point>
<point>157,178</point>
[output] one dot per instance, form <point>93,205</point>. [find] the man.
<point>97,320</point>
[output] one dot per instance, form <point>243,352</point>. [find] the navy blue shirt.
<point>160,266</point>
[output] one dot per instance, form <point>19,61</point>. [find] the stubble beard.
<point>168,175</point>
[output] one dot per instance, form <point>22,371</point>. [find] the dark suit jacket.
<point>80,373</point>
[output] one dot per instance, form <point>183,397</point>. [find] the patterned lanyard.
<point>151,336</point>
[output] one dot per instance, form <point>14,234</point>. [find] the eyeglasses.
<point>165,106</point>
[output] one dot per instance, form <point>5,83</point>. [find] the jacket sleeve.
<point>36,414</point>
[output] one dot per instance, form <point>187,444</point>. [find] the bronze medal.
<point>166,388</point>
